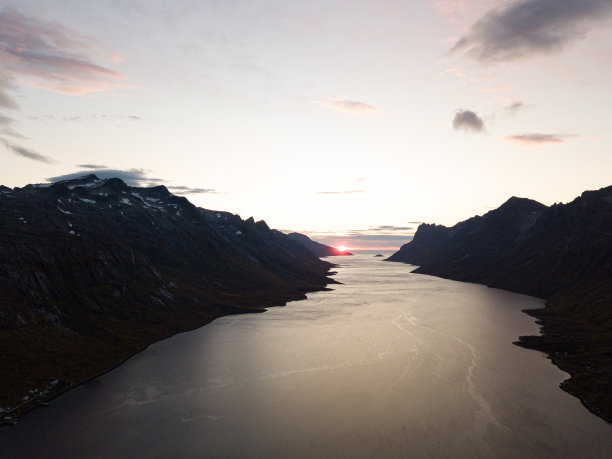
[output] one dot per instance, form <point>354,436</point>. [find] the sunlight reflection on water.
<point>388,364</point>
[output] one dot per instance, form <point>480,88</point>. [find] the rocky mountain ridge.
<point>562,253</point>
<point>94,270</point>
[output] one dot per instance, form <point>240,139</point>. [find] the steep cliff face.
<point>522,246</point>
<point>93,270</point>
<point>562,253</point>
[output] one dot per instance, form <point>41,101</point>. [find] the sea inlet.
<point>388,364</point>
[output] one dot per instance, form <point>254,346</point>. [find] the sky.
<point>351,121</point>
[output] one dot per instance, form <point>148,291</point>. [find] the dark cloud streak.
<point>27,153</point>
<point>515,107</point>
<point>182,190</point>
<point>92,166</point>
<point>6,101</point>
<point>529,27</point>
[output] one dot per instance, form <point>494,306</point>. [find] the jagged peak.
<point>160,189</point>
<point>516,204</point>
<point>515,201</point>
<point>428,229</point>
<point>116,184</point>
<point>262,225</point>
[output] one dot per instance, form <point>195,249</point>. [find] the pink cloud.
<point>538,138</point>
<point>495,89</point>
<point>45,55</point>
<point>456,11</point>
<point>456,71</point>
<point>41,54</point>
<point>451,8</point>
<point>348,106</point>
<point>116,58</point>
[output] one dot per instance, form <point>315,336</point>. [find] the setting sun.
<point>341,248</point>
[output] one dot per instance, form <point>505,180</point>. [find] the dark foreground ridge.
<point>562,253</point>
<point>92,271</point>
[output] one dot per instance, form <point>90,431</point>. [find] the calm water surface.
<point>389,364</point>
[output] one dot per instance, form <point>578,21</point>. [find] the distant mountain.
<point>93,270</point>
<point>562,253</point>
<point>320,250</point>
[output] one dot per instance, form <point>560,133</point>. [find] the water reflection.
<point>389,364</point>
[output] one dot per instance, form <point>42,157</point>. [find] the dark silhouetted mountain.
<point>93,270</point>
<point>562,253</point>
<point>320,250</point>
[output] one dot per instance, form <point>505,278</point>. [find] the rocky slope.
<point>562,253</point>
<point>320,250</point>
<point>93,270</point>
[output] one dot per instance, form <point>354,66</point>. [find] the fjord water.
<point>388,364</point>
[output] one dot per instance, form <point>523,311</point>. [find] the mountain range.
<point>562,253</point>
<point>92,271</point>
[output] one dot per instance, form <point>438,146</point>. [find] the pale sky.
<point>323,117</point>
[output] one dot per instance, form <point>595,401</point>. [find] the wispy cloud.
<point>450,8</point>
<point>7,123</point>
<point>456,71</point>
<point>44,55</point>
<point>183,190</point>
<point>383,237</point>
<point>6,83</point>
<point>458,11</point>
<point>7,129</point>
<point>348,106</point>
<point>538,139</point>
<point>529,27</point>
<point>92,166</point>
<point>27,153</point>
<point>341,192</point>
<point>73,118</point>
<point>467,120</point>
<point>133,177</point>
<point>516,106</point>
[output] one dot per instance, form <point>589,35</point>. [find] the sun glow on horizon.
<point>342,248</point>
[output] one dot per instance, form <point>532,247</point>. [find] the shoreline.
<point>562,385</point>
<point>64,386</point>
<point>561,350</point>
<point>571,337</point>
